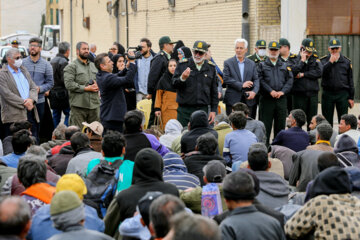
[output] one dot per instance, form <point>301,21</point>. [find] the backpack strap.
<point>344,161</point>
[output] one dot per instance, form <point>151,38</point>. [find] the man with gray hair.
<point>79,79</point>
<point>58,137</point>
<point>59,96</point>
<point>18,93</point>
<point>92,52</point>
<point>15,218</point>
<point>241,79</point>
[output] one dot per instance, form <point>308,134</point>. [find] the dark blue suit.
<point>234,83</point>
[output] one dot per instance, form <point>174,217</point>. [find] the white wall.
<point>21,15</point>
<point>293,22</point>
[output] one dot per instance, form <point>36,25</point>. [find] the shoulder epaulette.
<point>211,63</point>
<point>347,58</point>
<point>162,53</point>
<point>315,55</point>
<point>293,55</point>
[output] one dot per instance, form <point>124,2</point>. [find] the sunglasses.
<point>198,53</point>
<point>17,58</point>
<point>335,48</point>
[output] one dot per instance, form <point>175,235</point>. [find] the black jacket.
<point>200,88</point>
<point>60,161</point>
<point>158,66</point>
<point>59,97</point>
<point>337,76</point>
<point>111,86</point>
<point>309,84</point>
<point>291,61</point>
<point>199,125</point>
<point>277,78</point>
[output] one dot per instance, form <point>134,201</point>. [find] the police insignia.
<point>200,45</point>
<point>334,41</point>
<point>288,68</point>
<point>311,44</point>
<point>274,44</point>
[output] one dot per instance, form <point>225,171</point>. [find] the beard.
<point>199,60</point>
<point>144,53</point>
<point>274,56</point>
<point>84,56</point>
<point>34,54</point>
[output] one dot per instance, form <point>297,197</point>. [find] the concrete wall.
<point>293,22</point>
<point>21,15</point>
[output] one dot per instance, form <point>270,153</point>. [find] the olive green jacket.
<point>78,75</point>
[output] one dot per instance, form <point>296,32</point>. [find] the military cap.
<point>334,43</point>
<point>16,42</point>
<point>260,43</point>
<point>200,46</point>
<point>274,45</point>
<point>165,39</point>
<point>284,42</point>
<point>308,44</point>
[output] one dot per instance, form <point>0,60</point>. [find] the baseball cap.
<point>274,45</point>
<point>334,43</point>
<point>144,205</point>
<point>95,126</point>
<point>165,39</point>
<point>284,42</point>
<point>308,44</point>
<point>63,202</point>
<point>260,43</point>
<point>214,171</point>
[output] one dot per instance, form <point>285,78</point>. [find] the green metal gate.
<point>350,48</point>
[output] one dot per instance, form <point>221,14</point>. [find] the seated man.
<point>205,151</point>
<point>214,173</point>
<point>331,214</point>
<point>237,142</point>
<point>315,121</point>
<point>69,131</point>
<point>294,138</point>
<point>94,131</point>
<point>222,127</point>
<point>348,125</point>
<point>255,126</point>
<point>21,141</point>
<point>57,139</point>
<point>15,218</point>
<point>176,172</point>
<point>68,215</point>
<point>80,143</point>
<point>42,227</point>
<point>136,139</point>
<point>324,132</point>
<point>244,220</point>
<point>274,190</point>
<point>347,152</point>
<point>198,125</point>
<point>15,127</point>
<point>32,174</point>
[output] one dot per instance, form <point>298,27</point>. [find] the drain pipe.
<point>127,24</point>
<point>71,29</point>
<point>245,21</point>
<point>116,12</point>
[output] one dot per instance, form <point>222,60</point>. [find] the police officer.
<point>257,57</point>
<point>307,71</point>
<point>276,80</point>
<point>196,83</point>
<point>158,67</point>
<point>337,82</point>
<point>290,59</point>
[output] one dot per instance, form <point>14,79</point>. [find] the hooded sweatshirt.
<point>274,190</point>
<point>199,125</point>
<point>347,148</point>
<point>172,131</point>
<point>175,172</point>
<point>148,171</point>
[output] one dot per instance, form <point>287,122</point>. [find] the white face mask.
<point>18,63</point>
<point>262,52</point>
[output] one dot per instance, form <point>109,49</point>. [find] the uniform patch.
<point>289,68</point>
<point>334,42</point>
<point>274,44</point>
<point>262,43</point>
<point>311,44</point>
<point>200,45</point>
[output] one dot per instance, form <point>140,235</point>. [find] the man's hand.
<point>334,57</point>
<point>38,89</point>
<point>251,95</point>
<point>92,88</point>
<point>211,117</point>
<point>300,75</point>
<point>303,55</point>
<point>247,84</point>
<point>219,95</point>
<point>158,113</point>
<point>279,94</point>
<point>273,94</point>
<point>29,104</point>
<point>351,103</point>
<point>149,96</point>
<point>186,73</point>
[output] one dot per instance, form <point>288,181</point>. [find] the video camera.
<point>137,52</point>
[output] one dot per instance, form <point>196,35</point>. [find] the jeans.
<point>57,116</point>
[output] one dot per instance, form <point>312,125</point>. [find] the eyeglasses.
<point>34,45</point>
<point>198,53</point>
<point>17,58</point>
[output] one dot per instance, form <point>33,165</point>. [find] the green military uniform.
<point>260,44</point>
<point>337,83</point>
<point>274,76</point>
<point>85,106</point>
<point>291,61</point>
<point>306,88</point>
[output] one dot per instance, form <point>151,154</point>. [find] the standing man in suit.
<point>241,79</point>
<point>92,52</point>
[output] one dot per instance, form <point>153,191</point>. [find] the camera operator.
<point>111,86</point>
<point>79,79</point>
<point>158,67</point>
<point>240,78</point>
<point>143,69</point>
